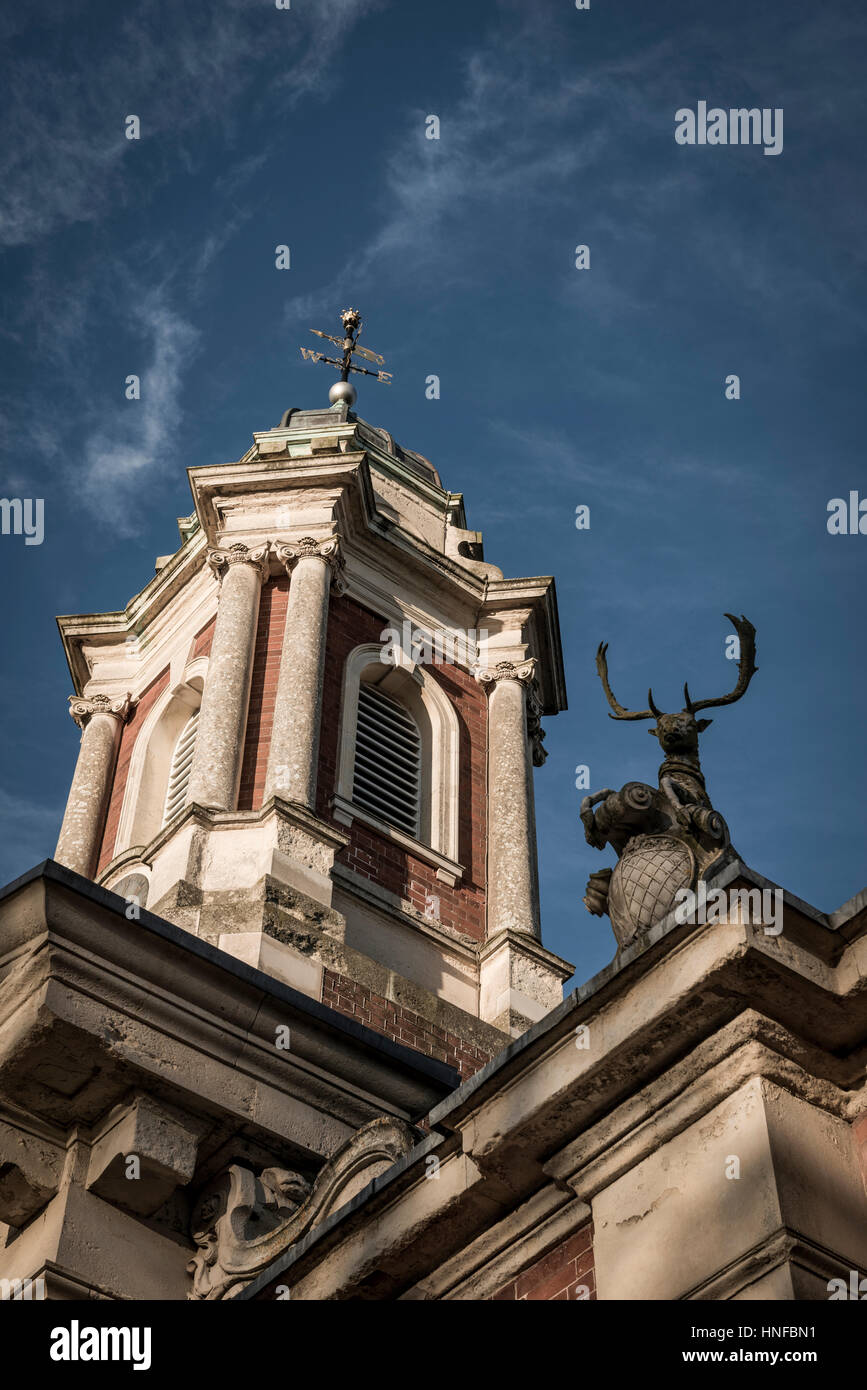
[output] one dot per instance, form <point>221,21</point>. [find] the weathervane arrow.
<point>342,390</point>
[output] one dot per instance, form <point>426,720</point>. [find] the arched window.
<point>398,758</point>
<point>179,771</point>
<point>387,773</point>
<point>156,756</point>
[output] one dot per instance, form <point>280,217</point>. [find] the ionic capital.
<point>82,708</point>
<point>308,548</point>
<point>221,561</point>
<point>523,671</point>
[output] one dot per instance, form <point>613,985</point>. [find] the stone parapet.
<point>700,1101</point>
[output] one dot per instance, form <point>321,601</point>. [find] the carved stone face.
<point>678,733</point>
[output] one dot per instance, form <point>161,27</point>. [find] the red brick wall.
<point>203,640</point>
<point>401,1025</point>
<point>131,730</point>
<point>263,692</point>
<point>564,1273</point>
<point>372,855</point>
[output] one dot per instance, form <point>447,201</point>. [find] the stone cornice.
<point>524,1236</point>
<point>750,1046</point>
<point>345,479</point>
<point>112,628</point>
<point>196,1009</point>
<point>215,484</point>
<point>727,968</point>
<point>529,606</point>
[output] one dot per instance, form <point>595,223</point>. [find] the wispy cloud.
<point>551,155</point>
<point>446,198</point>
<point>134,441</point>
<point>193,78</point>
<point>64,155</point>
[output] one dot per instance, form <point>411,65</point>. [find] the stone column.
<point>294,753</point>
<point>514,745</point>
<point>101,719</point>
<point>216,768</point>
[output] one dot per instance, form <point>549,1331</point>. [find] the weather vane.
<point>343,390</point>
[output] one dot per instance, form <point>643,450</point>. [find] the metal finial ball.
<point>343,391</point>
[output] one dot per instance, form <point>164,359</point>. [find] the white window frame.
<point>415,688</point>
<point>144,799</point>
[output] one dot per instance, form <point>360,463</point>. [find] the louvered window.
<point>387,778</point>
<point>179,773</point>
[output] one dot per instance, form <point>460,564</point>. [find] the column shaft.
<point>513,893</point>
<point>216,768</point>
<point>101,721</point>
<point>294,752</point>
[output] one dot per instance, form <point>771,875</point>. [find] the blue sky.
<point>559,387</point>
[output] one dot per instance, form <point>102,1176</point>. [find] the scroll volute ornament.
<point>83,707</point>
<point>328,549</point>
<point>237,1222</point>
<point>221,561</point>
<point>241,1222</point>
<point>666,837</point>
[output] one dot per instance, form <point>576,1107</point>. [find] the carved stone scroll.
<point>241,1222</point>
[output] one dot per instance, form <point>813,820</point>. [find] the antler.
<point>619,711</point>
<point>746,667</point>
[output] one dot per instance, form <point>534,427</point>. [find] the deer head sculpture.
<point>678,733</point>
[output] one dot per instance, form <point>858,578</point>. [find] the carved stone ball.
<point>343,391</point>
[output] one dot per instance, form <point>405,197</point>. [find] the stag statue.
<point>666,837</point>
